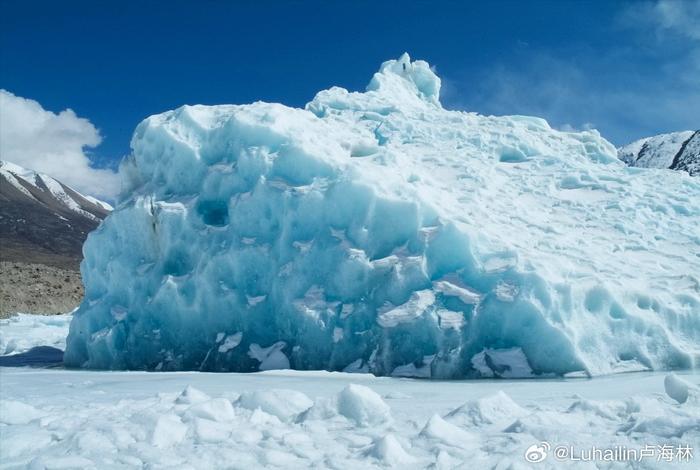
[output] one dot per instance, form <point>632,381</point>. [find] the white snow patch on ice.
<point>230,342</point>
<point>271,358</point>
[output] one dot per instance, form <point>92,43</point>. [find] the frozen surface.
<point>378,232</point>
<point>302,419</point>
<point>22,332</point>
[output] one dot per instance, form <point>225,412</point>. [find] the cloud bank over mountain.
<point>51,143</point>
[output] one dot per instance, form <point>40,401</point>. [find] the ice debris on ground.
<point>679,389</point>
<point>16,412</point>
<point>22,332</point>
<point>379,232</point>
<point>284,404</point>
<point>329,420</point>
<point>388,450</point>
<point>363,405</point>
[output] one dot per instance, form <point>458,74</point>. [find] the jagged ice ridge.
<point>380,232</point>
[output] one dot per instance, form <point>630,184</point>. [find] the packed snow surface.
<point>54,418</point>
<point>379,232</point>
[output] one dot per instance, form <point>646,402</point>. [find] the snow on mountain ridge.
<point>44,182</point>
<point>688,157</point>
<point>365,204</point>
<point>43,221</point>
<point>677,151</point>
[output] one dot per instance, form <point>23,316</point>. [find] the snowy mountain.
<point>379,232</point>
<point>677,151</point>
<point>42,220</point>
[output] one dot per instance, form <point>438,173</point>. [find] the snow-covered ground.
<point>22,332</point>
<point>57,418</point>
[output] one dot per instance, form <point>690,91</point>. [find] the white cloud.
<point>681,17</point>
<point>54,144</point>
<point>644,84</point>
<point>586,126</point>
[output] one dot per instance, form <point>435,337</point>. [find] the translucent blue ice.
<point>379,232</point>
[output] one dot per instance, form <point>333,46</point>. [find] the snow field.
<point>68,419</point>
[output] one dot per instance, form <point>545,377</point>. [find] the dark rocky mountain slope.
<point>43,224</point>
<point>676,151</point>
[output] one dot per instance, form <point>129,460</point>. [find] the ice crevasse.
<point>379,232</point>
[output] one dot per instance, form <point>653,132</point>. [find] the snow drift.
<point>379,232</point>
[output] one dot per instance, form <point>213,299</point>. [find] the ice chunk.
<point>438,429</point>
<point>208,431</point>
<point>497,409</point>
<point>323,409</point>
<point>363,405</point>
<point>28,443</point>
<point>407,312</point>
<point>16,412</point>
<point>677,388</point>
<point>259,418</point>
<point>191,395</point>
<point>168,431</point>
<point>603,410</point>
<point>414,230</point>
<point>218,409</point>
<point>389,451</point>
<point>285,404</point>
<point>671,425</point>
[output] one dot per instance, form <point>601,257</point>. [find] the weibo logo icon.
<point>536,453</point>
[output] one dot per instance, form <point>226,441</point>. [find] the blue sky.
<point>629,69</point>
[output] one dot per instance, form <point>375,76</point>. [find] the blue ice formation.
<point>379,232</point>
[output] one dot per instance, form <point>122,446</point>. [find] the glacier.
<point>379,232</point>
